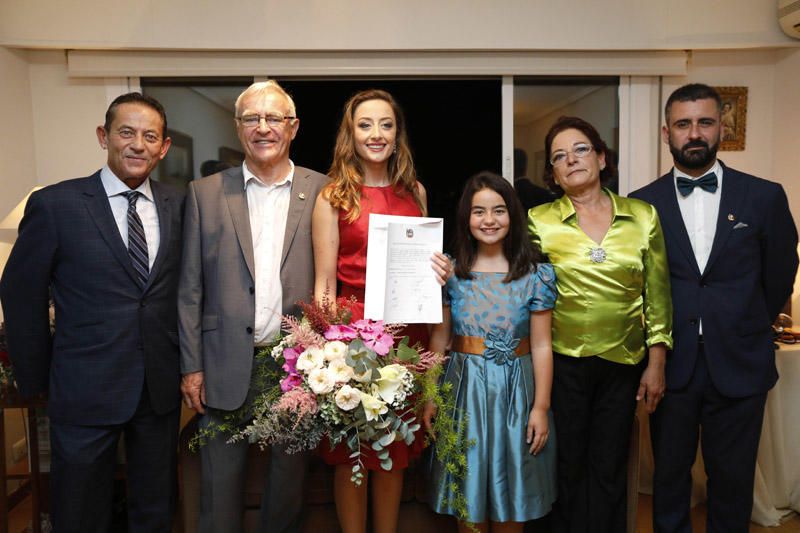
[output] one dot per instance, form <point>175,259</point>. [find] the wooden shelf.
<point>9,399</point>
<point>20,470</point>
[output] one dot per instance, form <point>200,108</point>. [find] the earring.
<point>395,149</point>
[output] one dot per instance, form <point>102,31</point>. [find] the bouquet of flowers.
<point>357,383</point>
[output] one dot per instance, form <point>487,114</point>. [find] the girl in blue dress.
<point>496,322</point>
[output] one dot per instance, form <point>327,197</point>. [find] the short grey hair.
<point>262,88</point>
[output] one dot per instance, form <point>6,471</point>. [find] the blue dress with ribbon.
<point>495,391</point>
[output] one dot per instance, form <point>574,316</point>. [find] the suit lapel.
<point>733,194</point>
<point>235,195</point>
<point>672,219</point>
<point>301,184</point>
<point>164,209</point>
<point>100,211</point>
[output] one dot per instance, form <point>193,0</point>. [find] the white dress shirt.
<point>699,211</point>
<point>145,207</point>
<point>268,207</point>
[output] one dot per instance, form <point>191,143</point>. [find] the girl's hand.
<point>538,430</point>
<point>442,267</point>
<point>428,414</point>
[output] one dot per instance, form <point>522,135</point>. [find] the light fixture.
<point>13,219</point>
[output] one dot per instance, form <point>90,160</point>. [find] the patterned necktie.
<point>707,183</point>
<point>137,242</point>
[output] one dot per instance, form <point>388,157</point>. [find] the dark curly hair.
<point>564,123</point>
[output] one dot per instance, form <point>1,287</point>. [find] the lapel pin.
<point>731,217</point>
<point>302,196</point>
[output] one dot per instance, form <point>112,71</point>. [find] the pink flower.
<point>374,336</point>
<point>298,401</point>
<point>380,343</point>
<point>290,357</point>
<point>368,325</point>
<point>290,382</point>
<point>340,332</point>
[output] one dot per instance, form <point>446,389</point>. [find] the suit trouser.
<point>731,429</point>
<point>593,404</point>
<point>82,472</point>
<point>223,467</point>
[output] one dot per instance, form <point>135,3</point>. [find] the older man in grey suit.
<point>247,258</point>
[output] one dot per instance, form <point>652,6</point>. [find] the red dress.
<point>351,269</point>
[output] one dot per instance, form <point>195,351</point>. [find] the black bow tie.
<point>707,183</point>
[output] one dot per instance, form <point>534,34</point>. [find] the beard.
<point>694,159</point>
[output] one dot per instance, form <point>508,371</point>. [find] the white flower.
<point>277,350</point>
<point>310,359</point>
<point>364,377</point>
<point>348,398</point>
<point>334,350</point>
<point>321,381</point>
<point>340,370</point>
<point>373,407</point>
<point>390,381</point>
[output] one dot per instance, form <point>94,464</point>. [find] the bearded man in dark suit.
<point>732,251</point>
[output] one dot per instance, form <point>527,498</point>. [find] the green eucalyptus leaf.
<point>387,439</point>
<point>406,353</point>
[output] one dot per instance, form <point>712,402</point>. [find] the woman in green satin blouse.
<point>612,323</point>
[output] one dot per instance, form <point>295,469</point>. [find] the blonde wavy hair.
<point>344,190</point>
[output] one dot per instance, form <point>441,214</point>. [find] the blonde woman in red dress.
<point>372,172</point>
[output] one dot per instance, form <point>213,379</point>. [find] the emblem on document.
<point>409,233</point>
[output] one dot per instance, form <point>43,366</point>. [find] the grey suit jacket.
<point>216,295</point>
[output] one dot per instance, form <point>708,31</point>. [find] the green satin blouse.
<point>611,308</point>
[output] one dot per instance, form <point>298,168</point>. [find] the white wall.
<point>392,24</point>
<point>786,140</point>
<point>209,124</point>
<point>66,112</point>
<point>17,159</point>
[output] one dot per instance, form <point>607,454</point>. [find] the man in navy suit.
<point>732,249</point>
<point>107,247</point>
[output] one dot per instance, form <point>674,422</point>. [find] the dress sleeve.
<point>544,291</point>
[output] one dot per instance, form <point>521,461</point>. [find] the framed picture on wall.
<point>734,118</point>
